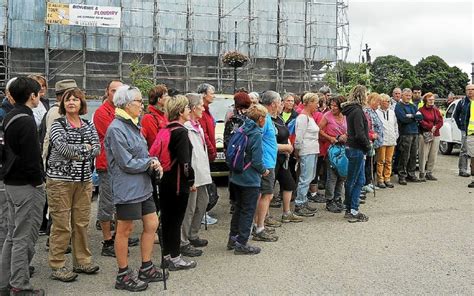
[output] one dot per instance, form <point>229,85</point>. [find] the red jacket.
<point>151,123</point>
<point>208,126</point>
<point>431,117</point>
<point>103,117</point>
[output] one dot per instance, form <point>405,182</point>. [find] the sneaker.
<point>231,243</point>
<point>332,207</point>
<point>63,274</point>
<point>181,264</point>
<point>303,211</point>
<point>317,198</point>
<point>402,181</point>
<point>264,236</point>
<point>413,179</point>
<point>422,177</point>
<point>129,281</point>
<point>271,222</point>
<point>389,184</point>
<point>152,274</point>
<point>430,177</point>
<point>87,269</point>
<point>108,249</point>
<point>464,174</point>
<point>471,185</point>
<point>361,201</point>
<point>340,205</point>
<point>133,241</point>
<point>246,249</point>
<point>347,215</point>
<point>210,220</point>
<point>381,185</point>
<point>18,292</point>
<point>291,217</point>
<point>190,251</point>
<point>199,242</point>
<point>367,189</point>
<point>359,217</point>
<point>310,208</point>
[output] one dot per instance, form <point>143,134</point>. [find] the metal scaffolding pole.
<point>84,59</point>
<point>188,45</point>
<point>219,44</point>
<point>250,44</point>
<point>156,36</point>
<point>120,57</point>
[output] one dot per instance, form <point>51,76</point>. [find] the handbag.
<point>427,137</point>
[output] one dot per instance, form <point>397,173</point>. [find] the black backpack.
<point>7,162</point>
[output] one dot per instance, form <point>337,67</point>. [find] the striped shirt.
<point>69,158</point>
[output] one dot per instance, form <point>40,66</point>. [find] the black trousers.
<point>173,208</point>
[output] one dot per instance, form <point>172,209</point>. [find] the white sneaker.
<point>367,189</point>
<point>210,220</point>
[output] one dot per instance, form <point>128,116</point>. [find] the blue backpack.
<point>338,159</point>
<point>235,153</point>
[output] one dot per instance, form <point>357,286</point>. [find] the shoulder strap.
<point>62,121</point>
<point>13,119</point>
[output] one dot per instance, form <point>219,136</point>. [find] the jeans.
<point>334,184</point>
<point>463,156</point>
<point>245,204</point>
<point>355,178</point>
<point>408,147</point>
<point>308,165</point>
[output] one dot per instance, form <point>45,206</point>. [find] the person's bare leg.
<point>262,209</point>
<point>286,201</point>
<point>150,224</point>
<point>106,232</point>
<point>123,230</point>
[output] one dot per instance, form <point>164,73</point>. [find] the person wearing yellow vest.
<point>464,117</point>
<point>417,99</point>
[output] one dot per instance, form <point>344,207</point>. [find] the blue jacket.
<point>251,177</point>
<point>407,118</point>
<point>5,109</point>
<point>270,146</point>
<point>462,113</point>
<point>128,162</point>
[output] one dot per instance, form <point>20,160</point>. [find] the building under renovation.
<point>288,42</point>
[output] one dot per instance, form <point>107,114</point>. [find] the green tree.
<point>406,83</point>
<point>390,72</point>
<point>438,77</point>
<point>141,76</point>
<point>344,76</point>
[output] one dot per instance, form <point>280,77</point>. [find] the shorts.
<point>284,177</point>
<point>135,211</point>
<point>268,183</point>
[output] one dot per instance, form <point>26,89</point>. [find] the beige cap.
<point>63,85</point>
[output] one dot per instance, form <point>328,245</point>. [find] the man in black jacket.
<point>23,178</point>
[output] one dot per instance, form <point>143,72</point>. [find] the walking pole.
<point>160,229</point>
<point>372,172</point>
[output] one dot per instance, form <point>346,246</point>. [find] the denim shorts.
<point>268,183</point>
<point>135,211</point>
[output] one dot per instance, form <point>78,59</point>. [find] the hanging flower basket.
<point>234,59</point>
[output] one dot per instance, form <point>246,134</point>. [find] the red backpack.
<point>160,147</point>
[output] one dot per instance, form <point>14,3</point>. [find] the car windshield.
<point>219,108</point>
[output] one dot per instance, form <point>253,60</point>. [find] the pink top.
<point>333,127</point>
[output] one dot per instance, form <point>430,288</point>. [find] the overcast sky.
<point>414,29</point>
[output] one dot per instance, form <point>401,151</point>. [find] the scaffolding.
<point>287,42</point>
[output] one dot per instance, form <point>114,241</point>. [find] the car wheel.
<point>445,147</point>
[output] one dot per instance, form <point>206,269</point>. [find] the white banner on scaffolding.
<point>83,15</point>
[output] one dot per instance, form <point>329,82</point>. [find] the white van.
<point>450,134</point>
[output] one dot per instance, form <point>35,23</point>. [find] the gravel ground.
<point>419,240</point>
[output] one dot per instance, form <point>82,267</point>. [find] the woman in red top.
<point>155,119</point>
<point>429,139</point>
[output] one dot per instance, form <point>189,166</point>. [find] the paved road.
<point>419,240</point>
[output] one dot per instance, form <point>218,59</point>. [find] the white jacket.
<point>199,160</point>
<point>390,126</point>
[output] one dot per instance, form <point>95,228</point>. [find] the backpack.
<point>231,126</point>
<point>338,159</point>
<point>235,154</point>
<point>160,147</point>
<point>4,150</point>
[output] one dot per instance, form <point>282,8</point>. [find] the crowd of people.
<point>154,166</point>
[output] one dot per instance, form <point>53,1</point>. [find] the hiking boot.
<point>246,249</point>
<point>381,185</point>
<point>291,217</point>
<point>128,280</point>
<point>271,222</point>
<point>63,274</point>
<point>152,274</point>
<point>359,217</point>
<point>361,201</point>
<point>231,243</point>
<point>190,251</point>
<point>389,184</point>
<point>317,198</point>
<point>430,177</point>
<point>108,249</point>
<point>422,177</point>
<point>181,264</point>
<point>332,207</point>
<point>413,179</point>
<point>264,236</point>
<point>340,205</point>
<point>402,181</point>
<point>347,214</point>
<point>310,208</point>
<point>367,189</point>
<point>18,292</point>
<point>133,241</point>
<point>471,185</point>
<point>87,269</point>
<point>464,174</point>
<point>302,211</point>
<point>199,242</point>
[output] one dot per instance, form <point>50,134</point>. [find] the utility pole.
<point>369,62</point>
